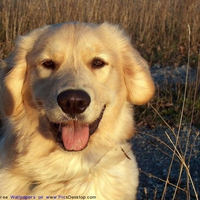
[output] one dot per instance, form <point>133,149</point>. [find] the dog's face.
<point>76,76</point>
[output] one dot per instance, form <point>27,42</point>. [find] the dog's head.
<point>77,76</point>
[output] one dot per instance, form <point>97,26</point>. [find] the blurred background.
<point>158,28</point>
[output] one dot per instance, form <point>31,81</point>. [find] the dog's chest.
<point>109,177</point>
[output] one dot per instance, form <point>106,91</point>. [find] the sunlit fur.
<point>31,161</point>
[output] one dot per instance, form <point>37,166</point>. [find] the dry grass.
<point>180,145</point>
<point>159,29</point>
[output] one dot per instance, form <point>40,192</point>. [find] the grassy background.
<point>158,28</point>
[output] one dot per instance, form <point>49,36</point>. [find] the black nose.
<point>73,102</point>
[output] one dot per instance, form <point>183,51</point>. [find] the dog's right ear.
<point>12,79</point>
<point>13,74</point>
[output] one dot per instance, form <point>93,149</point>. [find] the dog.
<point>66,103</point>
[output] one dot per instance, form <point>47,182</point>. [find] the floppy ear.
<point>13,73</point>
<point>137,77</point>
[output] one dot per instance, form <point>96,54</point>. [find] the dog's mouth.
<point>73,135</point>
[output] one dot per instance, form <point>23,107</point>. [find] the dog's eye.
<point>98,63</point>
<point>49,64</point>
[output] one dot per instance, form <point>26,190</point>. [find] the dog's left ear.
<point>137,77</point>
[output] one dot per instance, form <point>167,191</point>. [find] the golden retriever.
<point>66,95</point>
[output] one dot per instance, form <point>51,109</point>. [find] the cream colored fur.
<point>31,161</point>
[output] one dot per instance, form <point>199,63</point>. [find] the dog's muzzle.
<point>74,134</point>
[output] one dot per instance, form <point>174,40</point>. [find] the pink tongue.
<point>75,135</point>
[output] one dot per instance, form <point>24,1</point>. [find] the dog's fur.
<point>96,59</point>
